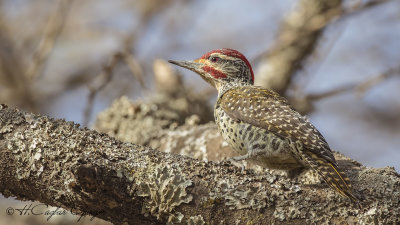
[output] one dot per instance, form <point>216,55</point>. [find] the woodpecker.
<point>260,125</point>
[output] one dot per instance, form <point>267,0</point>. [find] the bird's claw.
<point>236,162</point>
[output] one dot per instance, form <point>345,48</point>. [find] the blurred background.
<point>70,59</point>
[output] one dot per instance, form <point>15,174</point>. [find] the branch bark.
<point>60,164</point>
<point>297,38</point>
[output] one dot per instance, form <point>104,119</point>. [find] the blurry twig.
<point>134,67</point>
<point>342,13</point>
<point>148,8</point>
<point>297,38</point>
<point>361,7</point>
<point>360,88</point>
<point>14,87</point>
<point>345,13</point>
<point>105,76</point>
<point>53,29</point>
<point>305,103</point>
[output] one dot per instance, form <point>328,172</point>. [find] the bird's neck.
<point>225,86</point>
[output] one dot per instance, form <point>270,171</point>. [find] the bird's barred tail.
<point>332,176</point>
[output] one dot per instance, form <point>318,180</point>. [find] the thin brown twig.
<point>360,88</point>
<point>53,29</point>
<point>305,103</point>
<point>297,39</point>
<point>284,59</point>
<point>105,76</point>
<point>107,73</point>
<point>14,87</point>
<point>342,14</point>
<point>359,8</point>
<point>134,67</point>
<point>323,54</point>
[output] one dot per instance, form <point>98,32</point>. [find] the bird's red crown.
<point>231,53</point>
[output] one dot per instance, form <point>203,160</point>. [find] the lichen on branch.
<point>58,163</point>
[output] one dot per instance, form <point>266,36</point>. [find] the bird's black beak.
<point>197,67</point>
<point>191,65</point>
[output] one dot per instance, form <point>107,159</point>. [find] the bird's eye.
<point>213,58</point>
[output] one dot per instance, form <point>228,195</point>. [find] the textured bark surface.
<point>58,163</point>
<point>156,126</point>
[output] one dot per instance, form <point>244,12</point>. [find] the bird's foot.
<point>236,161</point>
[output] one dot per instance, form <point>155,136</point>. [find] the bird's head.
<point>220,67</point>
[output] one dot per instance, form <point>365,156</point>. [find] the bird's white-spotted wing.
<point>266,109</point>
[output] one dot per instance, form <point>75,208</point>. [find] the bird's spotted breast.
<point>242,137</point>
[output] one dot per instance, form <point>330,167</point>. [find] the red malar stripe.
<point>215,73</point>
<point>233,53</point>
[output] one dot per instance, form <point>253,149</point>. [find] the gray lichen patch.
<point>376,184</point>
<point>199,142</point>
<point>175,219</point>
<point>41,148</point>
<point>195,220</point>
<point>24,154</point>
<point>164,191</point>
<point>287,200</point>
<point>5,129</point>
<point>245,191</point>
<point>42,156</point>
<point>253,197</point>
<point>141,122</point>
<point>310,177</point>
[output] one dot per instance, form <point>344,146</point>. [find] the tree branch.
<point>57,163</point>
<point>297,38</point>
<point>305,103</point>
<point>53,29</point>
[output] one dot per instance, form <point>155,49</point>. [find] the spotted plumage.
<point>260,124</point>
